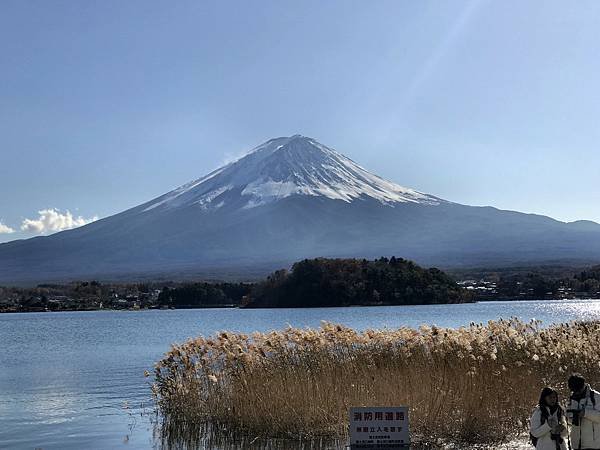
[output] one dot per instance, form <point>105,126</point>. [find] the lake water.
<point>74,380</point>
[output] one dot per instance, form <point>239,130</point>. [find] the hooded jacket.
<point>543,431</point>
<point>587,434</point>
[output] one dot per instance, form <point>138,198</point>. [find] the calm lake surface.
<point>74,380</point>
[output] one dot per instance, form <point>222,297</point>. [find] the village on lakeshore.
<point>490,285</point>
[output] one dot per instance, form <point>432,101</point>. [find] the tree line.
<point>323,282</point>
<point>202,295</point>
<point>537,285</point>
<point>319,282</point>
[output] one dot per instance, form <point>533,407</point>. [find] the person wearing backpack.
<point>548,424</point>
<point>583,414</point>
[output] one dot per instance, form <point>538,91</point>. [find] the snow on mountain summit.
<point>286,166</point>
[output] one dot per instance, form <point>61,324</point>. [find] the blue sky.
<point>104,105</point>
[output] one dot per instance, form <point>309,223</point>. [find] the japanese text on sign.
<point>379,427</point>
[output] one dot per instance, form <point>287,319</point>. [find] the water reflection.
<point>64,377</point>
<point>185,436</point>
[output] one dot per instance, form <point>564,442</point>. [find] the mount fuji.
<point>288,199</point>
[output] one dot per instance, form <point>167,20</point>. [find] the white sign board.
<point>379,428</point>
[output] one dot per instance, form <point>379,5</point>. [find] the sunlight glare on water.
<point>75,380</point>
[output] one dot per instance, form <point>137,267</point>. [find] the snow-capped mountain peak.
<point>288,199</point>
<point>287,166</point>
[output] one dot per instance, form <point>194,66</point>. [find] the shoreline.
<point>233,306</point>
<point>116,309</point>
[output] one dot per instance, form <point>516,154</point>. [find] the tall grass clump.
<point>475,384</point>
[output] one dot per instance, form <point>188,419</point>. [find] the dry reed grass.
<point>476,384</point>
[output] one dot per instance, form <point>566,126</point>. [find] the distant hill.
<point>288,199</point>
<point>343,282</point>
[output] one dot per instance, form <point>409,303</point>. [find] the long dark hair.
<point>544,414</point>
<point>542,403</point>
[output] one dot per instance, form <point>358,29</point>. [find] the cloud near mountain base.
<point>53,220</point>
<point>5,229</point>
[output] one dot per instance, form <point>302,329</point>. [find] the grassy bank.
<point>470,385</point>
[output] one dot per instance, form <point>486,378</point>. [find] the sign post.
<point>379,428</point>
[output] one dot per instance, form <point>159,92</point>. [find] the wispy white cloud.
<point>5,229</point>
<point>232,157</point>
<point>52,220</point>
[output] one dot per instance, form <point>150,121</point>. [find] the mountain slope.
<point>287,199</point>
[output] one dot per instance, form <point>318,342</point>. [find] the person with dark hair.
<point>583,414</point>
<point>548,424</point>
